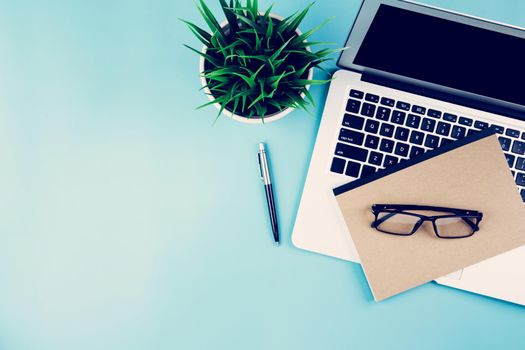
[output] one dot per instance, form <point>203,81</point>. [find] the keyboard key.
<point>505,143</point>
<point>387,102</point>
<point>458,132</point>
<point>416,137</point>
<point>371,126</point>
<point>450,117</point>
<point>513,173</point>
<point>390,160</point>
<point>520,163</point>
<point>428,125</point>
<point>433,113</point>
<point>383,113</point>
<point>401,133</point>
<point>471,131</point>
<point>499,129</point>
<point>401,149</point>
<point>445,141</point>
<point>386,130</point>
<point>351,136</point>
<point>375,158</point>
<point>372,98</point>
<point>386,146</point>
<point>403,105</point>
<point>352,169</point>
<point>431,141</point>
<point>356,94</point>
<point>372,142</point>
<point>413,121</point>
<point>398,117</point>
<point>368,170</point>
<point>522,192</point>
<point>351,152</point>
<point>510,159</point>
<point>512,133</point>
<point>518,147</point>
<point>353,106</point>
<point>338,165</point>
<point>368,109</point>
<point>418,109</point>
<point>416,151</point>
<point>465,121</point>
<point>520,179</point>
<point>523,135</point>
<point>480,125</point>
<point>353,121</point>
<point>443,128</point>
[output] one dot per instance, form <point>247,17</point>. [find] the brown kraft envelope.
<point>471,173</point>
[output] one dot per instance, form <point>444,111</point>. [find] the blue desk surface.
<point>129,222</point>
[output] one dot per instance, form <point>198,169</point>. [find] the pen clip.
<point>260,165</point>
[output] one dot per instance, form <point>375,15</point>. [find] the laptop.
<point>413,79</point>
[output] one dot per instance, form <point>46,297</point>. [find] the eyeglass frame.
<point>399,208</point>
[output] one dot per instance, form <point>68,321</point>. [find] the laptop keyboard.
<point>378,132</point>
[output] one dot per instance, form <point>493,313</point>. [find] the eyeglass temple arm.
<point>403,207</point>
<point>471,224</point>
<point>389,215</point>
<point>384,218</point>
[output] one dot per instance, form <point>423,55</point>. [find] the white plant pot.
<point>255,119</point>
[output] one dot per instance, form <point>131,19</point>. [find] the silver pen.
<point>267,180</point>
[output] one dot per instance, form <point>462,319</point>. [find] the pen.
<point>266,178</point>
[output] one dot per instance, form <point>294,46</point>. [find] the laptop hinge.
<point>487,107</point>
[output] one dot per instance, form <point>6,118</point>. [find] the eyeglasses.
<point>404,220</point>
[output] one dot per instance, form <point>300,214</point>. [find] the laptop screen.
<point>446,53</point>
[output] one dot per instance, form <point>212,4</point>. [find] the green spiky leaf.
<point>257,65</point>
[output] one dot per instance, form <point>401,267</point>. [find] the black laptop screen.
<point>446,53</point>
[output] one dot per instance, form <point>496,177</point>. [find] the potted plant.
<point>256,66</point>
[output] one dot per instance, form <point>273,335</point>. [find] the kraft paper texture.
<point>475,176</point>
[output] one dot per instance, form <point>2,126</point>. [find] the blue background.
<point>129,222</point>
